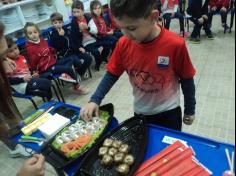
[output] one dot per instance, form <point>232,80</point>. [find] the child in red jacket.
<point>42,59</point>
<point>221,6</point>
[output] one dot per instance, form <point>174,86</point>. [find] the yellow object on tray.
<point>32,127</point>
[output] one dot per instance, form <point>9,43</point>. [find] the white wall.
<point>87,4</point>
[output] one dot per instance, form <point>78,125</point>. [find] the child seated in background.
<point>42,59</point>
<point>170,9</point>
<point>221,6</point>
<point>81,27</point>
<point>198,9</point>
<point>103,32</point>
<point>61,41</point>
<point>20,77</point>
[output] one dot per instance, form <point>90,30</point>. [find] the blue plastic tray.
<point>210,153</point>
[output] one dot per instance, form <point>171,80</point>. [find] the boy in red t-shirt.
<point>157,62</point>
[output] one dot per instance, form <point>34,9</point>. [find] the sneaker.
<point>21,152</point>
<point>195,40</point>
<point>86,75</point>
<point>81,90</point>
<point>67,78</point>
<point>226,27</point>
<point>210,37</point>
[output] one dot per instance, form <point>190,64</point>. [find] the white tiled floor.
<point>215,84</point>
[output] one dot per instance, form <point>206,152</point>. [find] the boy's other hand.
<point>88,110</point>
<point>33,166</point>
<point>188,120</point>
<point>200,20</point>
<point>61,32</point>
<point>27,78</point>
<point>83,26</point>
<point>35,75</point>
<point>111,32</point>
<point>82,50</point>
<point>214,8</point>
<point>223,9</point>
<point>205,17</point>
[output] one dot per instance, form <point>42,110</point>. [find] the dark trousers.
<point>223,16</point>
<point>168,18</point>
<point>198,27</point>
<point>81,62</point>
<point>170,119</point>
<point>39,87</point>
<point>62,66</point>
<point>99,57</point>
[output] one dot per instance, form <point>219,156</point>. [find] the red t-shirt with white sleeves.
<point>154,70</point>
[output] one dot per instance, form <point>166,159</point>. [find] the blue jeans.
<point>81,62</point>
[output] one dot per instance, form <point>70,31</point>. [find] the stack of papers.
<point>178,159</point>
<point>55,124</point>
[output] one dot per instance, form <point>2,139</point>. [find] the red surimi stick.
<point>159,156</point>
<point>180,169</point>
<point>176,161</point>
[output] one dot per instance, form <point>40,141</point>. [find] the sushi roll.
<point>108,143</point>
<point>129,159</point>
<point>119,157</point>
<point>103,151</point>
<point>124,148</point>
<point>107,160</point>
<point>112,152</point>
<point>123,169</point>
<point>116,144</point>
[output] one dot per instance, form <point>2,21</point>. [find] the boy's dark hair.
<point>77,4</point>
<point>132,8</point>
<point>56,17</point>
<point>93,4</point>
<point>30,24</point>
<point>10,42</point>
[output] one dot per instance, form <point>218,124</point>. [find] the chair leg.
<point>90,73</point>
<point>59,90</point>
<point>34,104</point>
<point>232,20</point>
<point>44,100</point>
<point>56,93</point>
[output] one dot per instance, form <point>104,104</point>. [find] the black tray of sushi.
<point>132,133</point>
<point>58,159</point>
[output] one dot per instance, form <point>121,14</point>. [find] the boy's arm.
<point>104,87</point>
<point>76,36</point>
<point>188,88</point>
<point>14,81</point>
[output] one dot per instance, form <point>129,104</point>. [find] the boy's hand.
<point>214,8</point>
<point>33,166</point>
<point>61,32</point>
<point>35,75</point>
<point>88,110</point>
<point>188,120</point>
<point>205,17</point>
<point>223,9</point>
<point>200,20</point>
<point>83,26</point>
<point>82,50</point>
<point>27,78</point>
<point>111,32</point>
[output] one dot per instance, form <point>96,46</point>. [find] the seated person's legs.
<point>39,87</point>
<point>211,14</point>
<point>167,18</point>
<point>85,60</point>
<point>93,49</point>
<point>196,31</point>
<point>181,20</point>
